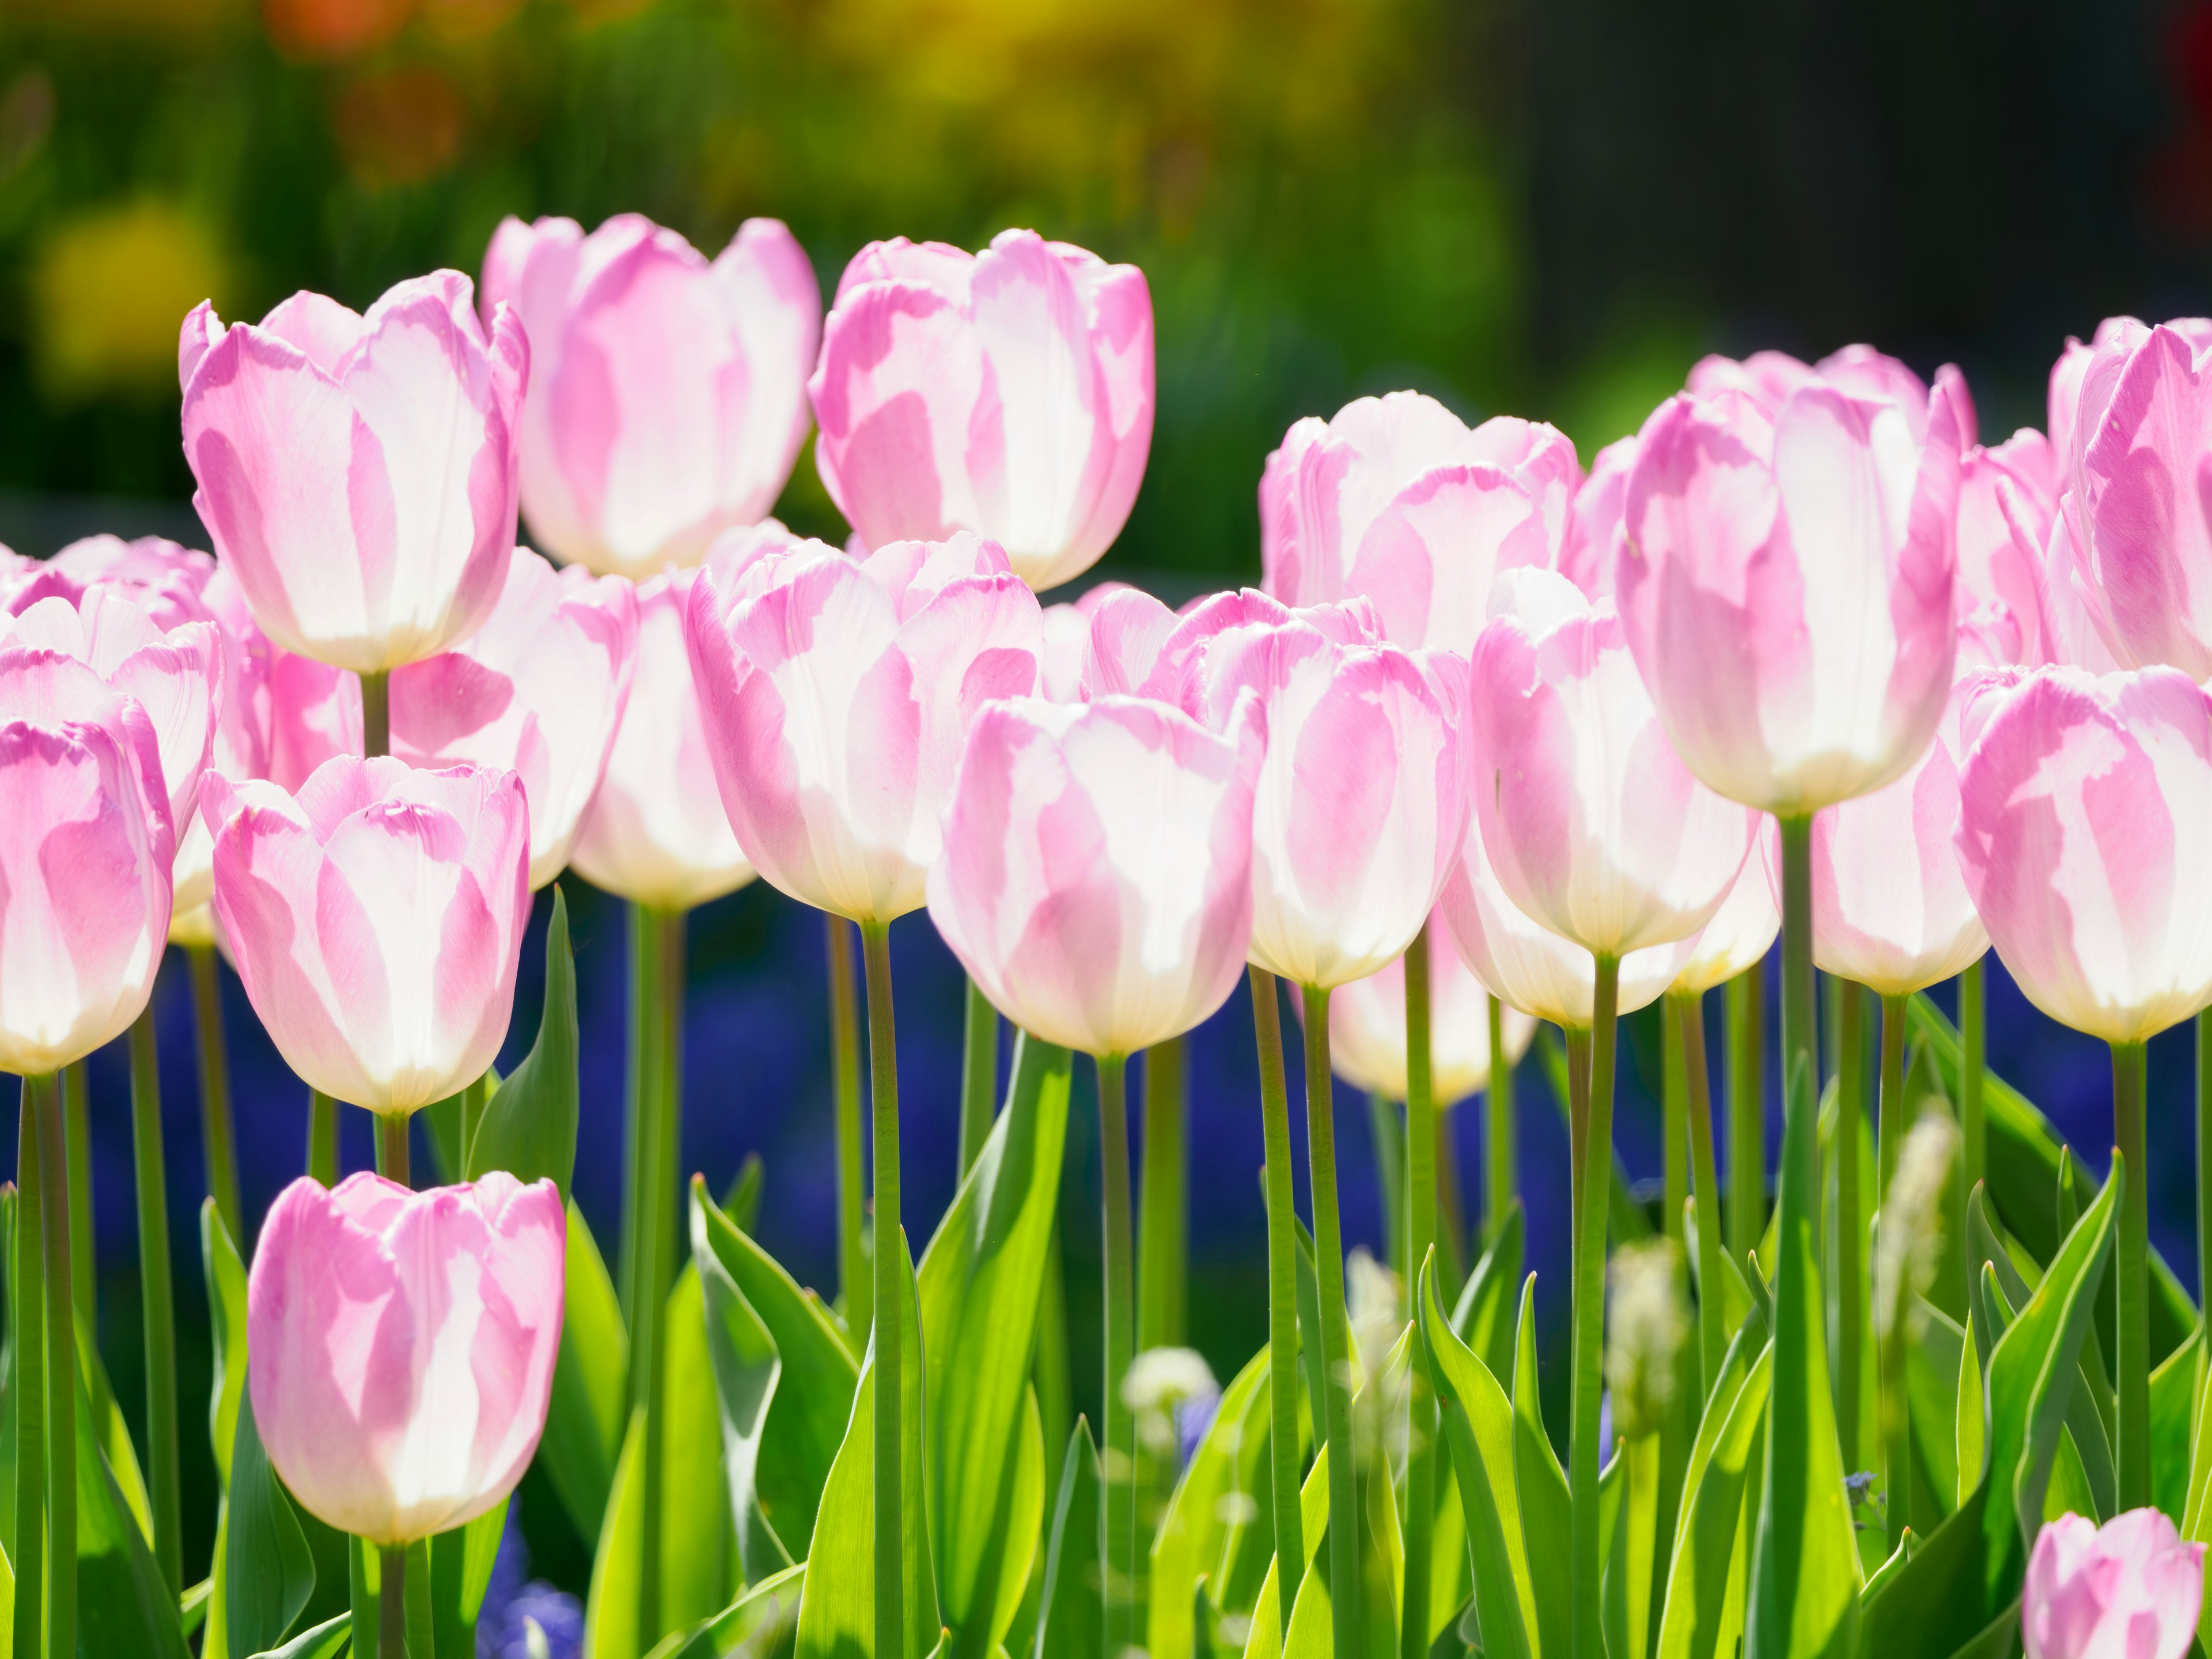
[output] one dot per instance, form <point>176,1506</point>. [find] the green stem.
<point>1282,1297</point>
<point>1973,1014</point>
<point>640,1151</point>
<point>76,1103</point>
<point>1849,1002</point>
<point>856,1289</point>
<point>890,1463</point>
<point>322,1138</point>
<point>25,1307</point>
<point>218,1139</point>
<point>1420,1234</point>
<point>1674,1126</point>
<point>1386,1128</point>
<point>1747,1040</point>
<point>1120,1460</point>
<point>1712,1328</point>
<point>159,1300</point>
<point>1896,1420</point>
<point>392,1601</point>
<point>1451,1213</point>
<point>392,1161</point>
<point>61,1380</point>
<point>1163,1203</point>
<point>656,1252</point>
<point>978,1076</point>
<point>1501,1174</point>
<point>1345,1585</point>
<point>2132,1280</point>
<point>375,714</point>
<point>1592,1198</point>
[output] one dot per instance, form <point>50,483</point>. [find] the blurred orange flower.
<point>325,29</point>
<point>400,127</point>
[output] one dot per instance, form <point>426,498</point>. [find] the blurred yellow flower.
<point>108,290</point>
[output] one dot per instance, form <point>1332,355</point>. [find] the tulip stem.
<point>1973,1135</point>
<point>218,1138</point>
<point>1592,1201</point>
<point>891,1312</point>
<point>1420,1237</point>
<point>1282,1299</point>
<point>76,1105</point>
<point>1747,1041</point>
<point>25,1307</point>
<point>375,715</point>
<point>641,1151</point>
<point>1164,1200</point>
<point>322,1138</point>
<point>158,1297</point>
<point>1896,1420</point>
<point>392,1601</point>
<point>392,1149</point>
<point>1345,1587</point>
<point>1849,1001</point>
<point>1689,1008</point>
<point>1501,1174</point>
<point>61,1377</point>
<point>2132,1455</point>
<point>979,1077</point>
<point>856,1290</point>
<point>1674,1126</point>
<point>658,1257</point>
<point>1451,1216</point>
<point>1120,1460</point>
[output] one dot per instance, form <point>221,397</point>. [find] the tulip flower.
<point>86,842</point>
<point>667,397</point>
<point>1097,874</point>
<point>1770,379</point>
<point>539,690</point>
<point>1395,499</point>
<point>2079,802</point>
<point>2129,1589</point>
<point>376,919</point>
<point>837,695</point>
<point>1007,392</point>
<point>358,472</point>
<point>1367,1029</point>
<point>655,833</point>
<point>1744,929</point>
<point>401,1347</point>
<point>1593,522</point>
<point>1068,663</point>
<point>2008,497</point>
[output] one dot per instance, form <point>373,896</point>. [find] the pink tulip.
<point>358,473</point>
<point>1593,824</point>
<point>1890,907</point>
<point>2129,1589</point>
<point>1097,880</point>
<point>376,919</point>
<point>1396,500</point>
<point>1526,965</point>
<point>837,693</point>
<point>1362,798</point>
<point>401,1347</point>
<point>144,561</point>
<point>1786,587</point>
<point>1065,665</point>
<point>1008,392</point>
<point>654,833</point>
<point>1744,929</point>
<point>1770,379</point>
<point>1593,522</point>
<point>86,844</point>
<point>538,690</point>
<point>1367,1027</point>
<point>2008,497</point>
<point>667,395</point>
<point>2082,803</point>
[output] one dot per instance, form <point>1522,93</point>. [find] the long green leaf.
<point>760,1624</point>
<point>529,1129</point>
<point>1223,1491</point>
<point>1931,1389</point>
<point>1484,1317</point>
<point>747,1370</point>
<point>125,1609</point>
<point>226,1294</point>
<point>1547,1513</point>
<point>813,1399</point>
<point>585,1420</point>
<point>1265,1639</point>
<point>324,1641</point>
<point>979,1282</point>
<point>2172,1407</point>
<point>1073,1623</point>
<point>610,1610</point>
<point>1704,1606</point>
<point>263,1571</point>
<point>461,1561</point>
<point>837,1619</point>
<point>1970,1437</point>
<point>695,1543</point>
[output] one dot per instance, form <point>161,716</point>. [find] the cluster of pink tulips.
<point>1502,741</point>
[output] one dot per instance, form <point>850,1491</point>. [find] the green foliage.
<point>1211,1550</point>
<point>529,1128</point>
<point>591,1378</point>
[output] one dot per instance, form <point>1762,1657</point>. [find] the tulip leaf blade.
<point>1703,1614</point>
<point>1540,1485</point>
<point>327,1640</point>
<point>461,1560</point>
<point>980,1280</point>
<point>610,1608</point>
<point>1483,1318</point>
<point>2172,1407</point>
<point>529,1129</point>
<point>1220,1503</point>
<point>695,1526</point>
<point>1071,1622</point>
<point>747,1368</point>
<point>585,1416</point>
<point>759,1625</point>
<point>263,1571</point>
<point>226,1294</point>
<point>808,1414</point>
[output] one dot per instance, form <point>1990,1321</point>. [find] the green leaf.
<point>1479,1427</point>
<point>2172,1407</point>
<point>530,1128</point>
<point>743,1202</point>
<point>1547,1513</point>
<point>461,1561</point>
<point>980,1280</point>
<point>1073,1621</point>
<point>263,1572</point>
<point>114,1433</point>
<point>583,1420</point>
<point>1484,1318</point>
<point>1804,1595</point>
<point>1970,1439</point>
<point>1931,1392</point>
<point>837,1619</point>
<point>808,1412</point>
<point>326,1641</point>
<point>1705,1592</point>
<point>695,1527</point>
<point>1265,1640</point>
<point>226,1294</point>
<point>1625,1217</point>
<point>1217,1529</point>
<point>610,1610</point>
<point>759,1625</point>
<point>125,1609</point>
<point>746,1370</point>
